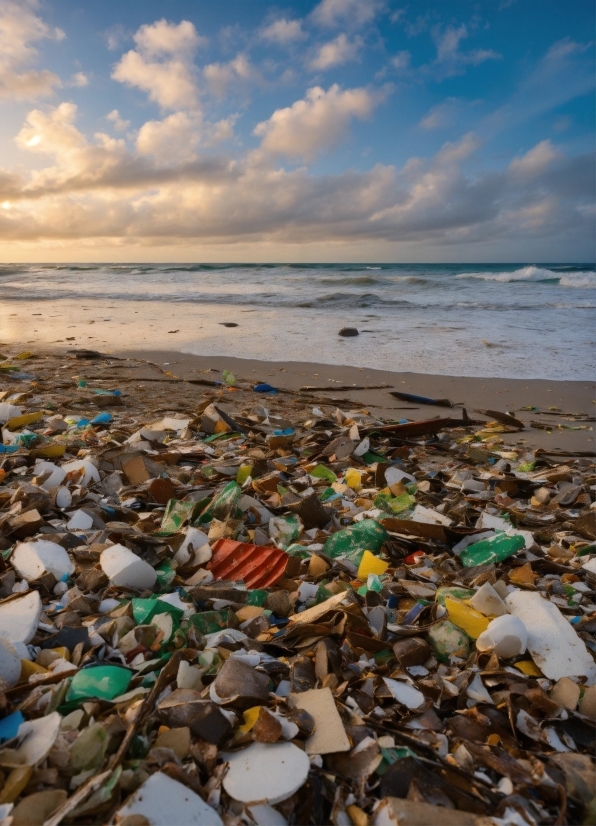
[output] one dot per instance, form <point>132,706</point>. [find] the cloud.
<point>98,192</point>
<point>401,61</point>
<point>536,160</point>
<point>79,79</point>
<point>171,140</point>
<point>330,13</point>
<point>336,52</point>
<point>119,123</point>
<point>445,113</point>
<point>283,31</point>
<point>20,27</point>
<point>221,76</point>
<point>450,60</point>
<point>318,121</point>
<point>162,65</point>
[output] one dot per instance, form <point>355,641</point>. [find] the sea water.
<point>516,320</point>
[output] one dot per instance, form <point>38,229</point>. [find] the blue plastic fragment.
<point>413,613</point>
<point>264,388</point>
<point>9,726</point>
<point>288,431</point>
<point>83,422</point>
<point>102,418</point>
<point>8,448</point>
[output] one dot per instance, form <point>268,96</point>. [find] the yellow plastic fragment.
<point>251,715</point>
<point>471,622</point>
<point>15,783</point>
<point>244,472</point>
<point>26,354</point>
<point>353,479</point>
<point>22,421</point>
<point>50,452</point>
<point>529,668</point>
<point>371,564</point>
<point>28,668</point>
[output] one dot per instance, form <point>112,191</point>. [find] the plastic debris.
<point>212,611</point>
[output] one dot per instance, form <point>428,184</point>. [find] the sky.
<point>339,130</point>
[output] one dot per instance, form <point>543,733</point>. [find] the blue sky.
<point>337,130</point>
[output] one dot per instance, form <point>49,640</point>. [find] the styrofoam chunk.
<point>164,801</point>
<point>195,549</point>
<point>122,567</point>
<point>393,475</point>
<point>553,643</point>
<point>506,636</point>
<point>429,516</point>
<point>10,663</point>
<point>91,473</point>
<point>8,411</point>
<point>19,618</point>
<point>80,521</point>
<point>33,559</point>
<point>266,772</point>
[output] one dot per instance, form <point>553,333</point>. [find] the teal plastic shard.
<point>373,583</point>
<point>496,549</point>
<point>209,622</point>
<point>223,505</point>
<point>102,682</point>
<point>166,573</point>
<point>391,756</point>
<point>257,597</point>
<point>143,610</point>
<point>367,535</point>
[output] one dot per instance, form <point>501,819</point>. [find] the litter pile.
<point>227,604</point>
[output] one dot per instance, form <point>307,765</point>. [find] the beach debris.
<point>411,397</point>
<point>348,332</point>
<point>214,611</point>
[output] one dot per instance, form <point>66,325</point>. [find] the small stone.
<point>587,705</point>
<point>348,332</point>
<point>566,693</point>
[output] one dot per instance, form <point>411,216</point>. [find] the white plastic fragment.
<point>590,565</point>
<point>265,815</point>
<point>55,475</point>
<point>429,516</point>
<point>79,521</point>
<point>266,772</point>
<point>33,559</point>
<point>506,636</point>
<point>90,472</point>
<point>405,693</point>
<point>393,475</point>
<point>488,602</point>
<point>163,801</point>
<point>497,523</point>
<point>195,549</point>
<point>8,411</point>
<point>476,691</point>
<point>35,738</point>
<point>125,568</point>
<point>10,663</point>
<point>552,641</point>
<point>19,618</point>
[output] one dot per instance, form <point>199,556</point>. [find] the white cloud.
<point>318,121</point>
<point>222,75</point>
<point>536,160</point>
<point>171,140</point>
<point>450,60</point>
<point>79,79</point>
<point>348,12</point>
<point>119,123</point>
<point>401,61</point>
<point>96,193</point>
<point>283,31</point>
<point>162,65</point>
<point>20,27</point>
<point>445,113</point>
<point>336,52</point>
<point>221,131</point>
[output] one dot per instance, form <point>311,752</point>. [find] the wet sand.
<point>573,397</point>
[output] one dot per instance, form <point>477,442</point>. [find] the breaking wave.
<point>524,274</point>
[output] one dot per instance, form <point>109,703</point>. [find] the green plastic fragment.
<point>495,549</point>
<point>228,377</point>
<point>351,542</point>
<point>103,682</point>
<point>322,472</point>
<point>209,622</point>
<point>447,640</point>
<point>453,592</point>
<point>391,756</point>
<point>295,549</point>
<point>257,597</point>
<point>223,505</point>
<point>166,573</point>
<point>327,493</point>
<point>176,515</point>
<point>283,530</point>
<point>394,504</point>
<point>143,610</point>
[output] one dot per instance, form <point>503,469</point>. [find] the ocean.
<point>513,320</point>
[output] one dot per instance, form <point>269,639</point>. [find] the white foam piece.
<point>122,567</point>
<point>553,643</point>
<point>56,476</point>
<point>429,516</point>
<point>10,663</point>
<point>19,618</point>
<point>79,521</point>
<point>164,801</point>
<point>506,636</point>
<point>266,772</point>
<point>33,559</point>
<point>393,475</point>
<point>8,411</point>
<point>91,473</point>
<point>405,693</point>
<point>195,546</point>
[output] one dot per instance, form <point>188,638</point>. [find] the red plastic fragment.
<point>258,566</point>
<point>412,559</point>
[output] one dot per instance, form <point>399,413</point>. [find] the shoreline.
<point>577,397</point>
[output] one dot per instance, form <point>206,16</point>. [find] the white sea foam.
<point>530,273</point>
<point>580,280</point>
